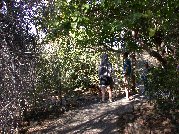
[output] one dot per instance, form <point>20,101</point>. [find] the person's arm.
<point>99,71</point>
<point>125,67</point>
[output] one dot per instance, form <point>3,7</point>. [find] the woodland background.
<point>50,48</point>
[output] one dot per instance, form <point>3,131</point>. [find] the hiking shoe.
<point>110,100</point>
<point>102,101</point>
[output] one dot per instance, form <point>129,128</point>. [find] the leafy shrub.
<point>163,87</point>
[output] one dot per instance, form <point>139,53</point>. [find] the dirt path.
<point>93,119</point>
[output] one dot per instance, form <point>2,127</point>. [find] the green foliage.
<point>81,30</point>
<point>84,29</point>
<point>163,87</point>
<point>68,67</point>
<point>96,23</point>
<point>76,33</point>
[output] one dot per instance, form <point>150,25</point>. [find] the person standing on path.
<point>126,73</point>
<point>105,78</point>
<point>144,76</point>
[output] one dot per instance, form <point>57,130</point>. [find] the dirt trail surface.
<point>92,119</point>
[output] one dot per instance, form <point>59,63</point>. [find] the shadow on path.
<point>96,118</point>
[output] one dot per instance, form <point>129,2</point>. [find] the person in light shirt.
<point>105,70</point>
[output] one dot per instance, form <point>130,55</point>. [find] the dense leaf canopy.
<point>100,23</point>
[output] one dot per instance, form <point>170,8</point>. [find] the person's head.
<point>146,65</point>
<point>125,55</point>
<point>104,57</point>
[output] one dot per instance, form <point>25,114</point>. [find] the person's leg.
<point>145,87</point>
<point>126,87</point>
<point>110,93</point>
<point>103,88</point>
<point>129,83</point>
<point>127,93</point>
<point>99,92</point>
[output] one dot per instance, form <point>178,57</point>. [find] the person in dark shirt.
<point>105,71</point>
<point>126,73</point>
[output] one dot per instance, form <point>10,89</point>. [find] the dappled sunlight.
<point>51,78</point>
<point>92,118</point>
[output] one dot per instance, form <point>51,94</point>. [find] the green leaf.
<point>74,18</point>
<point>117,2</point>
<point>86,6</point>
<point>151,32</point>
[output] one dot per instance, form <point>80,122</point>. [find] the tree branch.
<point>154,54</point>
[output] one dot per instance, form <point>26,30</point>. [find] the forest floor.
<point>134,116</point>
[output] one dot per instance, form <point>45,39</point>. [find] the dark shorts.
<point>107,81</point>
